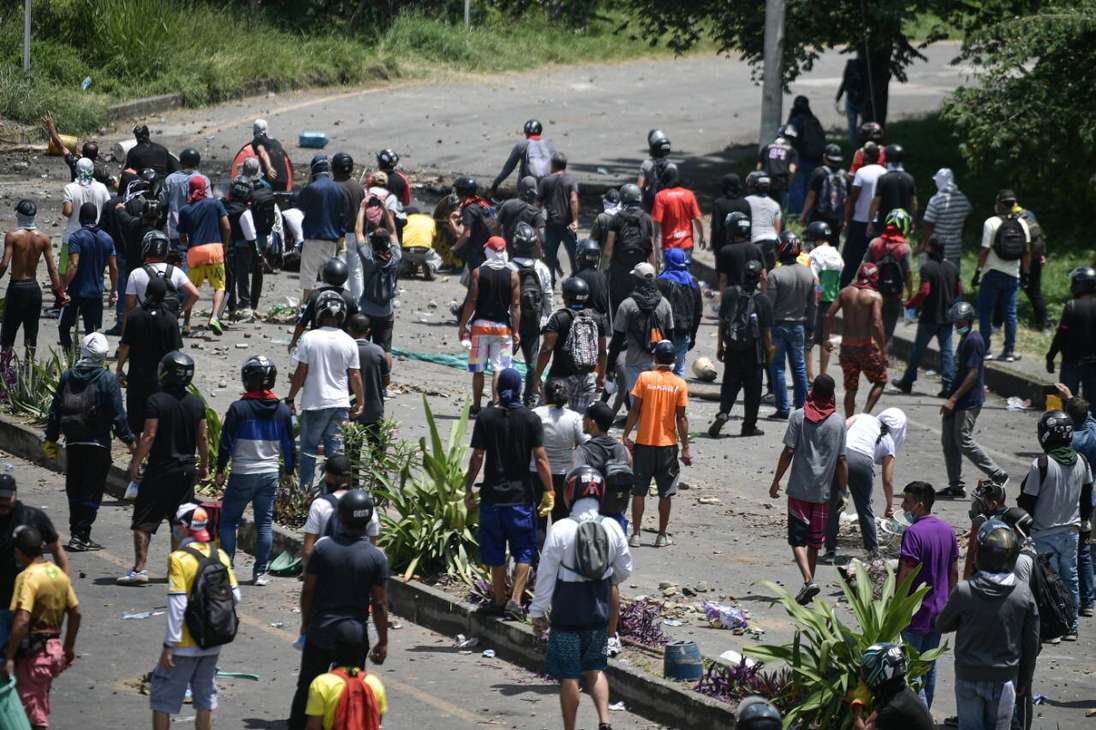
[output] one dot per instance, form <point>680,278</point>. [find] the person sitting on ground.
<point>347,696</point>
<point>420,235</point>
<point>894,705</point>
<point>863,342</point>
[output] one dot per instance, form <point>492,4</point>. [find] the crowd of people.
<point>607,324</point>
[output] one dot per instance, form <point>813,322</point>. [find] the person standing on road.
<point>537,303</point>
<point>471,222</point>
<point>380,259</point>
<point>681,290</point>
<point>589,259</point>
<point>809,141</point>
<point>779,161</point>
<point>271,155</point>
<point>327,370</point>
<point>732,200</point>
<point>532,156</point>
<point>574,341</point>
<point>563,434</point>
<point>128,232</point>
<point>43,601</point>
<point>892,255</point>
<point>151,332</point>
<point>649,181</point>
<point>1084,441</point>
<point>610,206</point>
<point>86,408</point>
<point>826,265</point>
<point>239,258</point>
<point>863,343</point>
<point>342,165</point>
<point>175,427</point>
<point>959,414</point>
<point>659,399</point>
<point>814,448</point>
<point>376,369</point>
<point>630,242</point>
<point>203,230</point>
<point>85,189</point>
<point>677,214</point>
<point>579,596</point>
<point>869,132</point>
<point>324,205</point>
<point>399,184</point>
<point>641,321</point>
<point>176,192</point>
<point>945,216</point>
<point>558,193</point>
<point>149,154</point>
<point>323,520</point>
<point>766,216</point>
<point>257,436</point>
<point>1005,257</point>
<point>1075,337</point>
<point>792,291</point>
<point>492,308</point>
<point>939,289</point>
<point>827,191</point>
<point>347,691</point>
<point>854,87</point>
<point>997,639</point>
<point>333,275</point>
<point>155,250</point>
<point>523,209</point>
<point>91,251</point>
<point>510,437</point>
<point>733,257</point>
<point>857,214</point>
<point>895,189</point>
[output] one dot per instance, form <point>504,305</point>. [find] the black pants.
<point>892,310</point>
<point>86,474</point>
<point>314,662</point>
<point>22,308</point>
<point>90,309</point>
<point>137,393</point>
<point>741,374</point>
<point>768,250</point>
<point>530,350</point>
<point>856,245</point>
<point>621,285</point>
<point>244,274</point>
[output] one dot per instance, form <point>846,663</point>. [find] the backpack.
<point>682,304</point>
<point>645,329</point>
<point>581,343</point>
<point>619,480</point>
<point>171,301</point>
<point>1010,240</point>
<point>405,192</point>
<point>812,138</point>
<point>632,246</point>
<point>211,609</point>
<point>380,288</point>
<point>488,214</point>
<point>835,191</point>
<point>262,211</point>
<point>530,295</point>
<point>891,280</point>
<point>538,157</point>
<point>79,408</point>
<point>652,182</point>
<point>332,527</point>
<point>1053,599</point>
<point>358,708</point>
<point>591,549</point>
<point>740,329</point>
<point>374,214</point>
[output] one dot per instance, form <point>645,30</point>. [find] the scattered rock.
<point>708,500</point>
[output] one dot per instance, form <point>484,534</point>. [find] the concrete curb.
<point>653,698</point>
<point>143,107</point>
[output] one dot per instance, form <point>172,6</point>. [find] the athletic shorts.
<point>865,359</point>
<point>159,496</point>
<point>658,463</point>
<point>168,687</point>
<point>571,653</point>
<point>214,273</point>
<point>507,524</point>
<point>492,347</point>
<point>820,323</point>
<point>314,254</point>
<point>807,522</point>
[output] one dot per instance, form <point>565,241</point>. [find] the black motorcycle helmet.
<point>190,158</point>
<point>670,176</point>
<point>527,189</point>
<point>319,164</point>
<point>387,159</point>
<point>658,144</point>
<point>334,272</point>
<point>1082,280</point>
<point>819,231</point>
<point>1055,429</point>
<point>258,373</point>
<point>583,482</point>
<point>664,353</point>
<point>148,175</point>
<point>871,132</point>
<point>752,273</point>
<point>894,153</point>
<point>342,163</point>
<point>630,195</point>
<point>155,244</point>
<point>355,511</point>
<point>789,246</point>
<point>997,547</point>
<point>465,186</point>
<point>738,226</point>
<point>588,254</point>
<point>524,244</point>
<point>331,305</point>
<point>757,713</point>
<point>961,311</point>
<point>575,291</point>
<point>176,369</point>
<point>533,126</point>
<point>832,155</point>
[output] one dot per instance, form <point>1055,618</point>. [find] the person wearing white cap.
<point>271,156</point>
<point>641,321</point>
<point>945,216</point>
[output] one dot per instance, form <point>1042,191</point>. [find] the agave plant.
<point>824,656</point>
<point>35,383</point>
<point>377,463</point>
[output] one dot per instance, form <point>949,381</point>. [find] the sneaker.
<point>634,540</point>
<point>1085,611</point>
<point>951,721</point>
<point>91,544</point>
<point>807,593</point>
<point>614,646</point>
<point>186,330</point>
<point>956,492</point>
<point>216,327</point>
<point>115,331</point>
<point>663,540</point>
<point>752,431</point>
<point>133,578</point>
<point>769,399</point>
<point>1071,636</point>
<point>76,545</point>
<point>829,557</point>
<point>1008,357</point>
<point>513,612</point>
<point>903,387</point>
<point>244,315</point>
<point>717,424</point>
<point>604,726</point>
<point>260,579</point>
<point>474,411</point>
<point>778,416</point>
<point>1055,641</point>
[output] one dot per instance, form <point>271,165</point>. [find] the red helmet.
<point>583,481</point>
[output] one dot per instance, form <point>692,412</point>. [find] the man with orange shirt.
<point>677,213</point>
<point>658,406</point>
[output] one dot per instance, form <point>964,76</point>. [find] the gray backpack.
<point>538,157</point>
<point>591,550</point>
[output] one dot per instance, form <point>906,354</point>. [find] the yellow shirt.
<point>420,230</point>
<point>326,690</point>
<point>182,568</point>
<point>44,591</point>
<point>662,394</point>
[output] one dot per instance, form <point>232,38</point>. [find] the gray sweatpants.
<point>957,438</point>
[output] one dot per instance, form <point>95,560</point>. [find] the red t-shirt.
<point>858,160</point>
<point>674,211</point>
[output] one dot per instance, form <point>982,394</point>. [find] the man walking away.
<point>323,520</point>
<point>1033,287</point>
<point>743,343</point>
<point>128,232</point>
<point>732,200</point>
<point>151,332</point>
<point>589,259</point>
<point>826,265</point>
<point>939,289</point>
<point>630,242</point>
<point>893,256</point>
<point>1005,257</point>
<point>809,141</point>
<point>522,209</point>
<point>536,299</point>
<point>680,289</point>
<point>854,87</point>
<point>791,288</point>
<point>814,447</point>
<point>197,570</point>
<point>509,436</point>
<point>827,191</point>
<point>1084,441</point>
<point>239,260</point>
<point>471,223</point>
<point>659,399</point>
<point>147,153</point>
<point>863,344</point>
<point>333,275</point>
<point>997,639</point>
<point>180,294</point>
<point>677,214</point>
<point>175,427</point>
<point>380,259</point>
<point>257,436</point>
<point>610,206</point>
<point>857,214</point>
<point>578,593</point>
<point>324,206</point>
<point>1075,337</point>
<point>734,256</point>
<point>203,231</point>
<point>766,216</point>
<point>650,172</point>
<point>574,340</point>
<point>558,193</point>
<point>91,251</point>
<point>532,156</point>
<point>641,321</point>
<point>375,366</point>
<point>959,414</point>
<point>86,408</point>
<point>945,216</point>
<point>779,161</point>
<point>176,191</point>
<point>347,696</point>
<point>342,165</point>
<point>895,189</point>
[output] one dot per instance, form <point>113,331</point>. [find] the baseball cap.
<point>496,243</point>
<point>337,465</point>
<point>380,178</point>
<point>195,519</point>
<point>7,485</point>
<point>644,270</point>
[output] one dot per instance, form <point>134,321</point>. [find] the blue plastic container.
<point>313,140</point>
<point>682,661</point>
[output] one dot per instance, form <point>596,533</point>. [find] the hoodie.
<point>255,434</point>
<point>109,415</point>
<point>997,625</point>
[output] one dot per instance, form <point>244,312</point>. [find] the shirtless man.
<point>863,342</point>
<point>23,303</point>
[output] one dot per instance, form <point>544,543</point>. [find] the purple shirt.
<point>931,543</point>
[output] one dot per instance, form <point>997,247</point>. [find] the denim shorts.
<point>168,688</point>
<point>571,653</point>
<point>502,524</point>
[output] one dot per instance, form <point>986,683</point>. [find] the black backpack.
<point>211,608</point>
<point>591,549</point>
<point>652,182</point>
<point>1010,240</point>
<point>891,280</point>
<point>740,329</point>
<point>530,295</point>
<point>682,304</point>
<point>262,211</point>
<point>835,191</point>
<point>332,527</point>
<point>1053,599</point>
<point>79,409</point>
<point>171,300</point>
<point>645,329</point>
<point>632,246</point>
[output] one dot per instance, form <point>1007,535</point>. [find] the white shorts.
<point>314,254</point>
<point>492,347</point>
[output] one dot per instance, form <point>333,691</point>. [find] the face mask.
<point>910,517</point>
<point>962,331</point>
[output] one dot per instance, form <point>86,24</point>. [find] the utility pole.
<point>772,87</point>
<point>467,14</point>
<point>26,38</point>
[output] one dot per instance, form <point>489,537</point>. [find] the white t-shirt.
<point>247,224</point>
<point>764,213</point>
<point>292,220</point>
<point>562,435</point>
<point>78,194</point>
<point>866,178</point>
<point>138,280</point>
<point>320,512</point>
<point>863,437</point>
<point>995,262</point>
<point>329,353</point>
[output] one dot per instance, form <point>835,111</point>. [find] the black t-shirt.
<point>151,154</point>
<point>1079,323</point>
<point>896,189</point>
<point>599,290</point>
<point>563,365</point>
<point>763,308</point>
<point>515,211</point>
<point>472,218</point>
<point>903,711</point>
<point>373,365</point>
<point>733,257</point>
<point>776,160</point>
<point>346,569</point>
<point>354,196</point>
<point>721,208</point>
<point>150,335</point>
<point>398,186</point>
<point>628,218</point>
<point>555,195</point>
<point>20,515</point>
<point>277,159</point>
<point>178,414</point>
<point>308,315</point>
<point>508,436</point>
<point>942,277</point>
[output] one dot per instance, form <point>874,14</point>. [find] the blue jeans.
<point>788,341</point>
<point>259,490</point>
<point>922,643</point>
<point>681,349</point>
<point>554,235</point>
<point>925,332</point>
<point>123,277</point>
<point>797,193</point>
<point>1080,378</point>
<point>996,285</point>
<point>1084,576</point>
<point>323,425</point>
<point>1062,548</point>
<point>852,111</point>
<point>984,705</point>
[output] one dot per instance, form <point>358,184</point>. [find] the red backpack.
<point>358,708</point>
